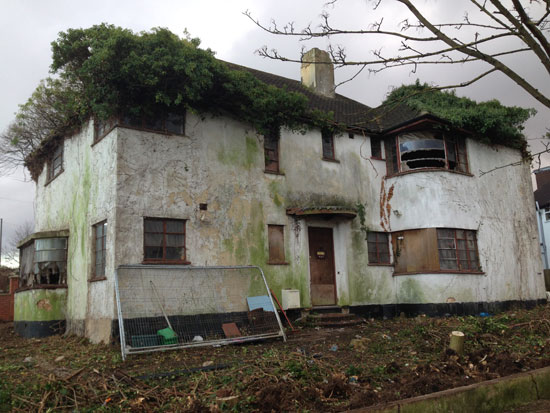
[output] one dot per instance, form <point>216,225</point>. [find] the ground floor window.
<point>457,249</point>
<point>378,245</point>
<point>276,243</point>
<point>100,237</point>
<point>164,241</point>
<point>43,261</point>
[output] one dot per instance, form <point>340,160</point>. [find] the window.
<point>271,150</point>
<point>376,148</point>
<point>378,245</point>
<point>103,127</point>
<point>164,241</point>
<point>55,166</point>
<point>547,214</point>
<point>433,250</point>
<point>100,236</point>
<point>50,261</point>
<point>173,123</point>
<point>328,144</point>
<point>457,249</point>
<point>276,241</point>
<point>425,150</point>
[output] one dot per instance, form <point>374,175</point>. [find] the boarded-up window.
<point>435,250</point>
<point>457,249</point>
<point>164,241</point>
<point>378,245</point>
<point>376,148</point>
<point>328,144</point>
<point>100,236</point>
<point>276,241</point>
<point>271,150</point>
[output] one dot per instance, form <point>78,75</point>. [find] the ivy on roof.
<point>108,71</point>
<point>490,122</point>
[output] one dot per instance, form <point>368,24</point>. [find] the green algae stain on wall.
<point>411,291</point>
<point>275,192</point>
<point>238,156</point>
<point>40,305</point>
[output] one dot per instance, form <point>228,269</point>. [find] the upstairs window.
<point>328,144</point>
<point>376,148</point>
<point>426,150</point>
<point>271,150</point>
<point>172,123</point>
<point>55,165</point>
<point>379,251</point>
<point>164,241</point>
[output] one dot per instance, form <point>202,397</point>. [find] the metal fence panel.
<point>170,307</point>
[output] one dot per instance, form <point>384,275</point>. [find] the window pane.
<point>175,253</point>
<point>328,144</point>
<point>50,243</point>
<point>50,255</point>
<point>461,244</point>
<point>175,226</point>
<point>376,147</point>
<point>98,244</point>
<point>372,247</point>
<point>373,259</point>
<point>447,254</point>
<point>384,258</point>
<point>152,240</point>
<point>153,225</point>
<point>276,242</point>
<point>445,243</point>
<point>175,240</point>
<point>445,233</point>
<point>153,252</point>
<point>174,123</point>
<point>383,248</point>
<point>448,264</point>
<point>462,255</point>
<point>460,234</point>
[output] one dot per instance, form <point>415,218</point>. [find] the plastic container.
<point>149,340</point>
<point>167,336</point>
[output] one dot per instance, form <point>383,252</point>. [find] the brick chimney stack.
<point>318,72</point>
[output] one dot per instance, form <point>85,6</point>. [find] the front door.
<point>321,266</point>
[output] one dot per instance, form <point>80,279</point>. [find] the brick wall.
<point>6,301</point>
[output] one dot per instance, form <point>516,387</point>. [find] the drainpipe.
<point>543,242</point>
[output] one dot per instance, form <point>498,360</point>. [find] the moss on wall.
<point>40,305</point>
<point>238,156</point>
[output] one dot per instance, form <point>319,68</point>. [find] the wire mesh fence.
<point>169,307</point>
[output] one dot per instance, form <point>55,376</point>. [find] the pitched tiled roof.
<point>346,111</point>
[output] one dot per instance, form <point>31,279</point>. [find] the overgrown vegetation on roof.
<point>490,121</point>
<point>106,71</point>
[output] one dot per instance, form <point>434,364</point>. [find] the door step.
<point>333,319</point>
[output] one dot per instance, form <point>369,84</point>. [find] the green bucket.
<point>167,336</point>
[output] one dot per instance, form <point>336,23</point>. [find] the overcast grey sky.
<point>27,27</point>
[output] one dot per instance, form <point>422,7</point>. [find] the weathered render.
<point>213,177</point>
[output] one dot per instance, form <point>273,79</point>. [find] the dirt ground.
<point>315,370</point>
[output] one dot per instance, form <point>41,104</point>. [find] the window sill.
<point>160,262</point>
<point>413,171</point>
<point>274,172</point>
<point>330,160</point>
<point>374,264</point>
<point>277,263</point>
<point>450,272</point>
<point>41,287</point>
<point>93,280</point>
<point>53,178</point>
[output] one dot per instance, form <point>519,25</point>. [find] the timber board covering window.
<point>327,137</point>
<point>435,250</point>
<point>271,150</point>
<point>276,241</point>
<point>55,165</point>
<point>172,123</point>
<point>376,148</point>
<point>100,237</point>
<point>378,247</point>
<point>164,241</point>
<point>421,150</point>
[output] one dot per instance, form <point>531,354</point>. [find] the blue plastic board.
<point>261,301</point>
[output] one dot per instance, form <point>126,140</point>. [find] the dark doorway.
<point>321,266</point>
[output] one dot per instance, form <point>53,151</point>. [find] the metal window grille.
<point>166,307</point>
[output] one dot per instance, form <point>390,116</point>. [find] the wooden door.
<point>321,266</point>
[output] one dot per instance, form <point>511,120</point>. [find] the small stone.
<point>27,360</point>
<point>208,363</point>
<point>198,338</point>
<point>60,358</point>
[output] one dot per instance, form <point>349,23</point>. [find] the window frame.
<point>143,123</point>
<point>272,259</point>
<point>164,246</point>
<point>547,214</point>
<point>328,135</point>
<point>457,258</point>
<point>272,156</point>
<point>376,260</point>
<point>381,155</point>
<point>95,275</point>
<point>58,155</point>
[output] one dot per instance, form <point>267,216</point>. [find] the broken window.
<point>328,144</point>
<point>376,148</point>
<point>457,249</point>
<point>50,261</point>
<point>426,150</point>
<point>172,123</point>
<point>435,250</point>
<point>103,127</point>
<point>55,165</point>
<point>100,237</point>
<point>378,246</point>
<point>276,241</point>
<point>271,150</point>
<point>164,241</point>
